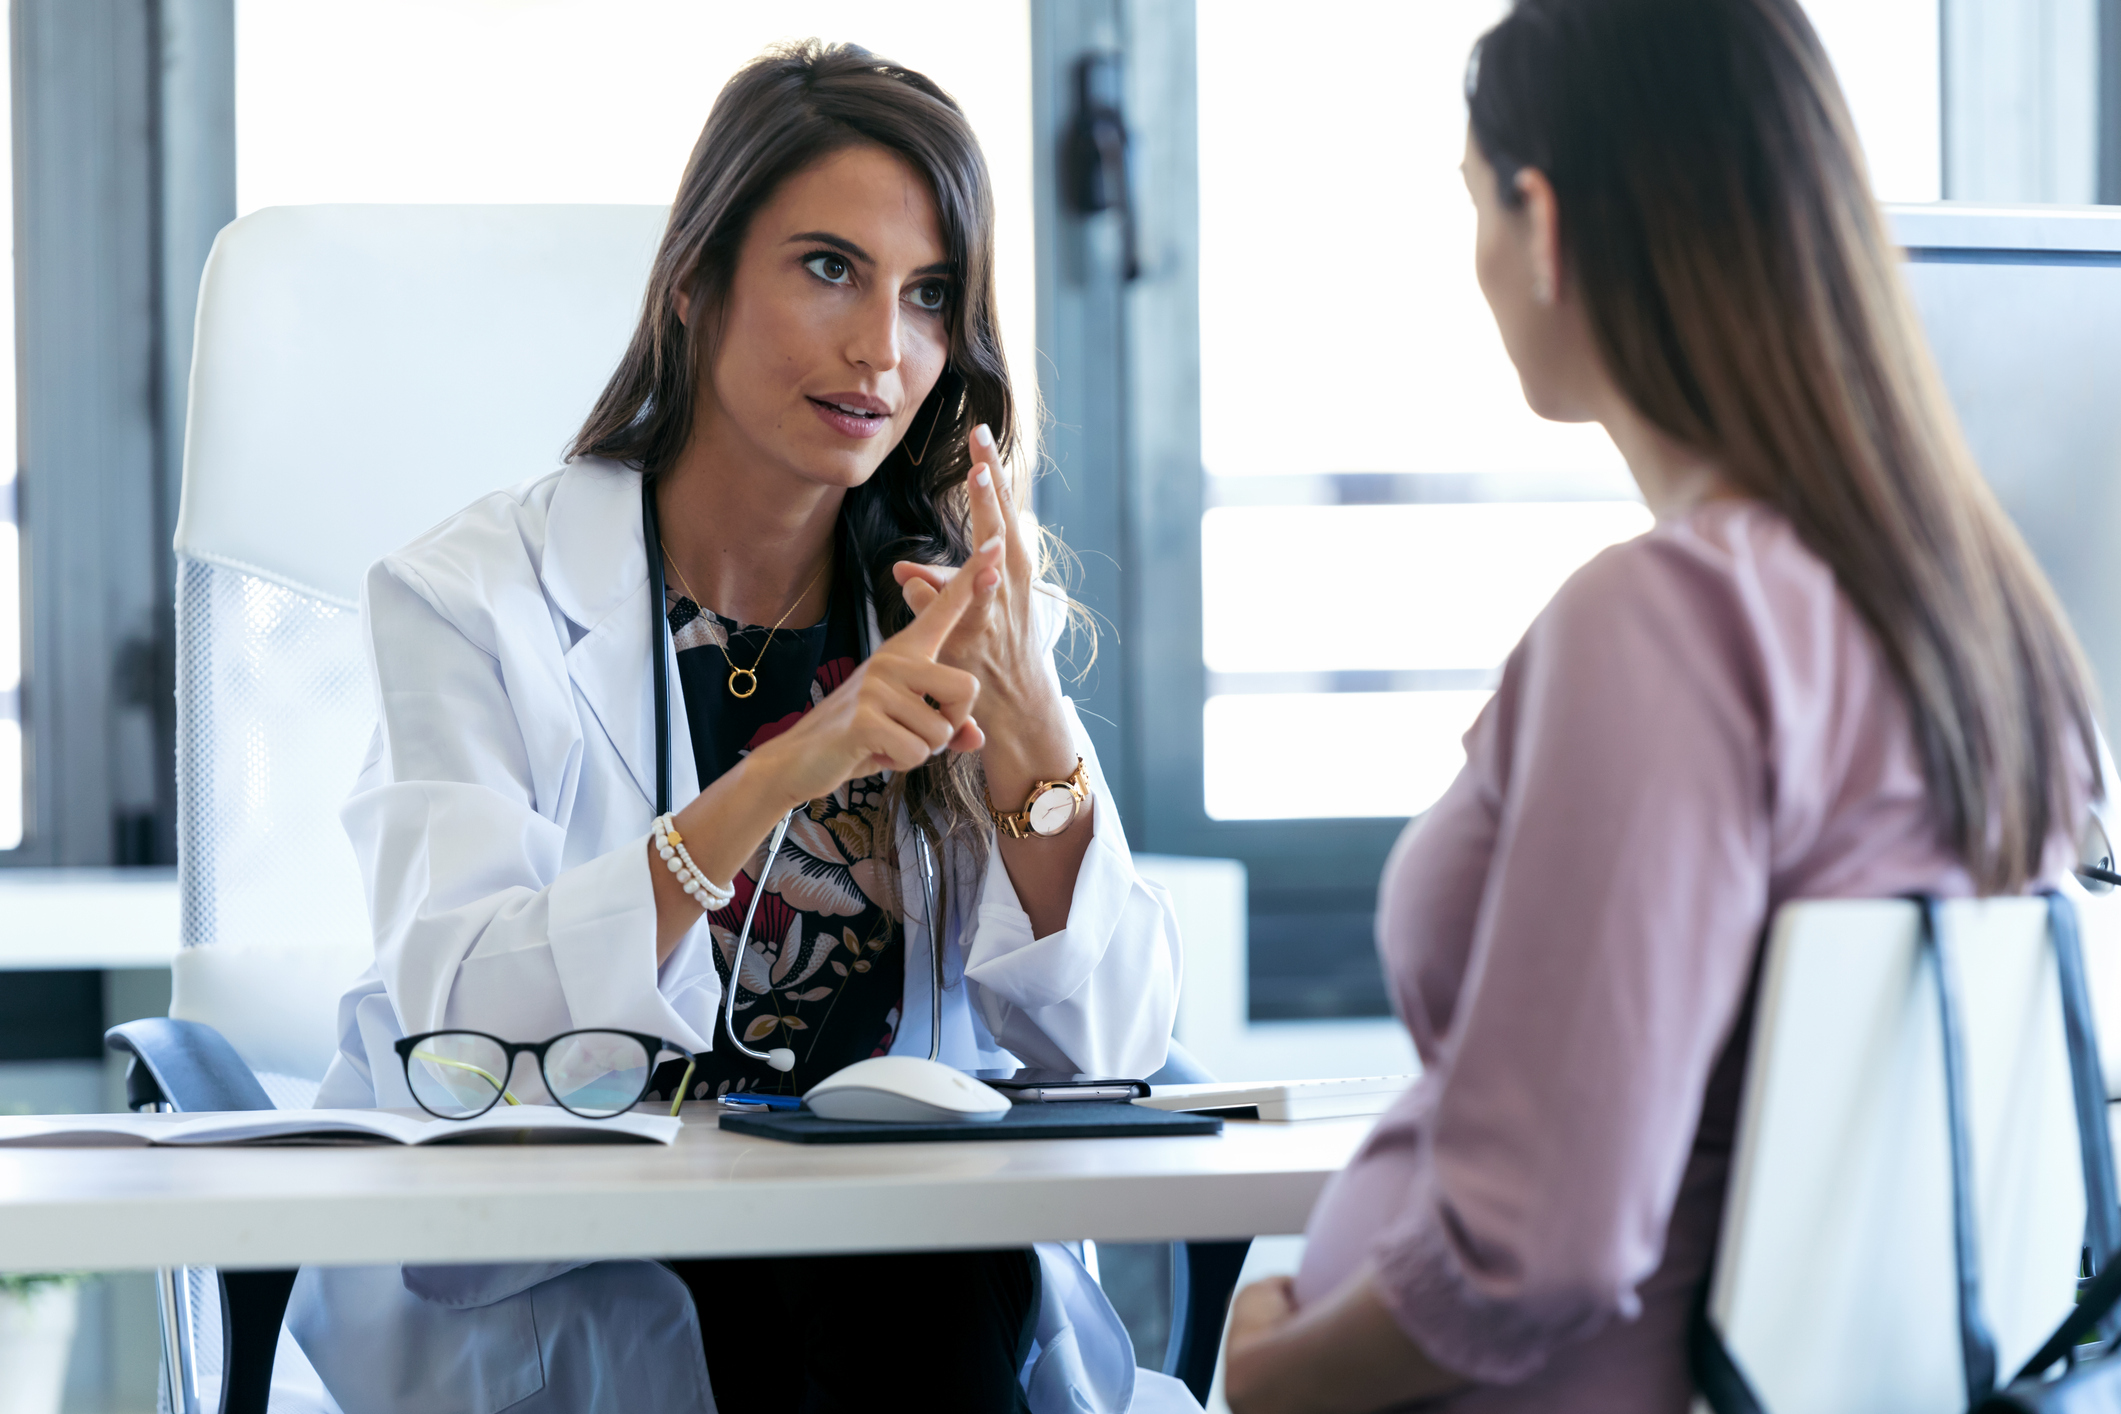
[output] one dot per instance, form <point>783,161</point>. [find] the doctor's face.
<point>836,326</point>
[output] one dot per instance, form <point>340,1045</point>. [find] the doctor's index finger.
<point>932,626</point>
<point>920,594</point>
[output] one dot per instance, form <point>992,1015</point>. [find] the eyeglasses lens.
<point>457,1074</point>
<point>597,1073</point>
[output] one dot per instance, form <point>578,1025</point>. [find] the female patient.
<point>1831,669</point>
<point>815,407</point>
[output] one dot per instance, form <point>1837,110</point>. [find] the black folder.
<point>1074,1119</point>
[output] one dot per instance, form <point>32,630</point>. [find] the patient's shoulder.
<point>1722,566</point>
<point>1724,601</point>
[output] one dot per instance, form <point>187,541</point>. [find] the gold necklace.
<point>752,672</point>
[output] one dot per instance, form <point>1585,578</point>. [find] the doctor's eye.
<point>930,296</point>
<point>832,269</point>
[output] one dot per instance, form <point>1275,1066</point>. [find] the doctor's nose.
<point>874,341</point>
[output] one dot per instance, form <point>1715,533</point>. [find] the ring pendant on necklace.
<point>750,674</point>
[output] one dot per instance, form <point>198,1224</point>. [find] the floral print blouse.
<point>824,972</point>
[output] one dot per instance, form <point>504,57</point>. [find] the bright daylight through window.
<point>583,101</point>
<point>11,754</point>
<point>1385,515</point>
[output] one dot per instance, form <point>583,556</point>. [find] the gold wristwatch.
<point>1050,808</point>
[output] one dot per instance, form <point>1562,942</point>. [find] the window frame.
<point>124,171</point>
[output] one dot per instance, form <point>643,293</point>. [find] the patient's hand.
<point>1261,1307</point>
<point>1344,1354</point>
<point>1259,1310</point>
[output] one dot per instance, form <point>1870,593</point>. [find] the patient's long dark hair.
<point>785,111</point>
<point>1717,220</point>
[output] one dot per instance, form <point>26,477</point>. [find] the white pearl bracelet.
<point>678,860</point>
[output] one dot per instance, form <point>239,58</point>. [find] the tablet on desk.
<point>1282,1100</point>
<point>1034,1086</point>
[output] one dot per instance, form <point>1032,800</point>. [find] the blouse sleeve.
<point>1625,759</point>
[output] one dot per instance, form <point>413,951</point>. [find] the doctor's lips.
<point>853,414</point>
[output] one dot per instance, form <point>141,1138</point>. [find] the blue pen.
<point>747,1101</point>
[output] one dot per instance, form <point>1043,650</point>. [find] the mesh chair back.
<point>360,373</point>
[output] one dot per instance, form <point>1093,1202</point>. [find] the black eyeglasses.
<point>595,1074</point>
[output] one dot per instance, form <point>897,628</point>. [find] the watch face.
<point>1052,811</point>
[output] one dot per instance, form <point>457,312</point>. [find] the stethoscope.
<point>780,1058</point>
<point>2095,859</point>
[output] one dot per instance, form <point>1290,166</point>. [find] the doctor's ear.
<point>1542,216</point>
<point>684,304</point>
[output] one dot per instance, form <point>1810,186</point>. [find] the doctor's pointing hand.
<point>997,639</point>
<point>899,708</point>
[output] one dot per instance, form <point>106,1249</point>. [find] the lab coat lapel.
<point>596,570</point>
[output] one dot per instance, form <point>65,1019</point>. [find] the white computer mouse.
<point>904,1090</point>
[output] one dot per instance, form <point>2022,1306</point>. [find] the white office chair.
<point>361,373</point>
<point>1835,1286</point>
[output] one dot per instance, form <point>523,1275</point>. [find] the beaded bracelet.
<point>702,890</point>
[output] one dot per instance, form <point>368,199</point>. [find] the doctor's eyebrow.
<point>847,247</point>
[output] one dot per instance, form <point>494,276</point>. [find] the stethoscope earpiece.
<point>2093,874</point>
<point>2095,859</point>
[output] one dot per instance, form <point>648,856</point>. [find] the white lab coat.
<point>501,821</point>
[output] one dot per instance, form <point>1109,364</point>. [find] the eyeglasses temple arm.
<point>480,1071</point>
<point>677,1097</point>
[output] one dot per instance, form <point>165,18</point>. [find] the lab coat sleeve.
<point>460,831</point>
<point>1100,995</point>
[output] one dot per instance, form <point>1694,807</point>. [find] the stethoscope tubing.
<point>659,635</point>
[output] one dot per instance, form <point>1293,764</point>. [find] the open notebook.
<point>505,1124</point>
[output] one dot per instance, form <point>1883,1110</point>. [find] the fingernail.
<point>982,478</point>
<point>981,435</point>
<point>993,544</point>
<point>989,580</point>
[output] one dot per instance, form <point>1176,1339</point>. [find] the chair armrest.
<point>185,1064</point>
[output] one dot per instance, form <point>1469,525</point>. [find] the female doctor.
<point>805,444</point>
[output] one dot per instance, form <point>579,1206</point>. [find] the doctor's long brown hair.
<point>783,112</point>
<point>1717,221</point>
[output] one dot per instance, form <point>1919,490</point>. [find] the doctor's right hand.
<point>894,712</point>
<point>899,708</point>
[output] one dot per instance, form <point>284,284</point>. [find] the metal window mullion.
<point>2109,144</point>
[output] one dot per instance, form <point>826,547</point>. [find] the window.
<point>1383,516</point>
<point>11,754</point>
<point>582,100</point>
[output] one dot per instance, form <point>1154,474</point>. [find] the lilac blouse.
<point>1697,729</point>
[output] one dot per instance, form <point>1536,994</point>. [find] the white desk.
<point>710,1194</point>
